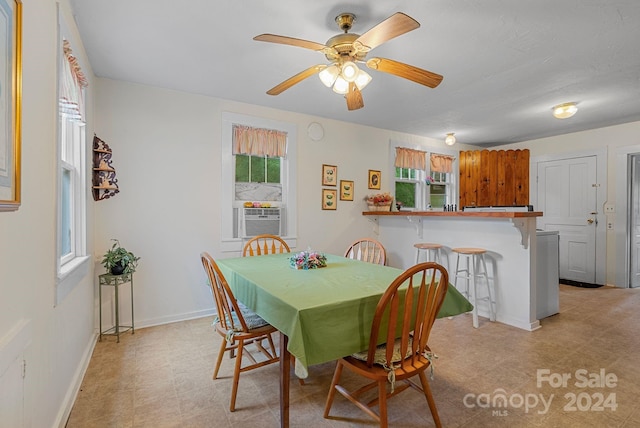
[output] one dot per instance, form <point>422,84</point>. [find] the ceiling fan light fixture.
<point>450,140</point>
<point>350,71</point>
<point>341,86</point>
<point>329,75</point>
<point>565,110</point>
<point>362,79</point>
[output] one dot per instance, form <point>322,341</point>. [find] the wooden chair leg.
<point>271,345</point>
<point>293,363</point>
<point>223,347</point>
<point>432,403</point>
<point>236,376</point>
<point>382,403</point>
<point>332,389</point>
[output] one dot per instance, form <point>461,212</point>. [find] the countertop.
<point>489,214</point>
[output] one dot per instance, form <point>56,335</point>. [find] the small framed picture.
<point>329,175</point>
<point>346,190</point>
<point>329,199</point>
<point>374,179</point>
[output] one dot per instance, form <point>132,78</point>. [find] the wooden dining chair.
<point>265,244</point>
<point>367,250</point>
<point>411,311</point>
<point>238,327</point>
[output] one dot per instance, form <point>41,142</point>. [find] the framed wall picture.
<point>329,199</point>
<point>346,190</point>
<point>374,179</point>
<point>10,103</point>
<point>329,175</point>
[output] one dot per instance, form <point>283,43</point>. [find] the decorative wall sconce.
<point>105,183</point>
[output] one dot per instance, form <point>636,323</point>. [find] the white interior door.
<point>567,198</point>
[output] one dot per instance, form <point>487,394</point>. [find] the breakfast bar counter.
<point>508,236</point>
<point>488,214</point>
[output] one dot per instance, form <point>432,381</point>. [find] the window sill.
<point>70,275</point>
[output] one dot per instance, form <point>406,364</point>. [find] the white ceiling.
<point>505,62</point>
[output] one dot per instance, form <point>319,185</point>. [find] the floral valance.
<point>259,141</point>
<point>72,83</point>
<point>441,163</point>
<point>410,158</point>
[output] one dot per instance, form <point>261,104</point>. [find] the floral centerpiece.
<point>379,201</point>
<point>308,260</point>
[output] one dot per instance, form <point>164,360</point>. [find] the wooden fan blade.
<point>354,97</point>
<point>406,71</point>
<point>284,40</point>
<point>296,79</point>
<point>394,26</point>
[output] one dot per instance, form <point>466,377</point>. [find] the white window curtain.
<point>441,163</point>
<point>259,141</point>
<point>72,83</point>
<point>410,158</point>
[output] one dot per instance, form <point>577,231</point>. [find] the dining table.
<point>322,314</point>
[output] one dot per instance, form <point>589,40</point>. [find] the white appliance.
<point>548,279</point>
<point>259,221</point>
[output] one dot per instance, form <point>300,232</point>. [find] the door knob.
<point>590,221</point>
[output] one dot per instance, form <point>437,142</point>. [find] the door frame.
<point>622,222</point>
<point>601,198</point>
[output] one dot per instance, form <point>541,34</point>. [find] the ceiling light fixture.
<point>564,111</point>
<point>450,140</point>
<point>338,77</point>
<point>329,75</point>
<point>341,86</point>
<point>349,71</point>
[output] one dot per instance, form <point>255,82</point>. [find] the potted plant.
<point>119,261</point>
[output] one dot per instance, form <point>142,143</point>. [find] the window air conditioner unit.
<point>260,221</point>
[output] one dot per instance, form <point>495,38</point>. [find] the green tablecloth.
<point>326,313</point>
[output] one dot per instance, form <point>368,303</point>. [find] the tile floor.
<point>161,376</point>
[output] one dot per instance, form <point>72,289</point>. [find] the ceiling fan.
<point>346,49</point>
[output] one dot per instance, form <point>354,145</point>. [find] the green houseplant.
<point>119,261</point>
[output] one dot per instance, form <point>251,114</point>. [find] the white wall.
<point>166,147</point>
<point>612,138</point>
<point>167,156</point>
<point>54,341</point>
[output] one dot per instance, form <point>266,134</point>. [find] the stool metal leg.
<point>474,276</point>
<point>492,302</point>
<point>117,317</point>
<point>100,305</point>
<point>466,275</point>
<point>133,330</point>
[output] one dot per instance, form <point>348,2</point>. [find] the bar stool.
<point>474,260</point>
<point>431,250</point>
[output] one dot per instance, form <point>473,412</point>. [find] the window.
<point>420,184</point>
<point>257,169</point>
<point>71,200</point>
<point>439,189</point>
<point>442,188</point>
<point>71,233</point>
<point>256,175</point>
<point>408,187</point>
